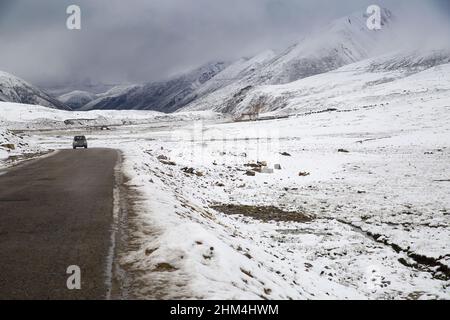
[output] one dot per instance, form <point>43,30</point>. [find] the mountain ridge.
<point>165,96</point>
<point>343,41</point>
<point>15,89</point>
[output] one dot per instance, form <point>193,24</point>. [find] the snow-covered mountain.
<point>342,57</point>
<point>165,96</point>
<point>73,85</point>
<point>372,82</point>
<point>342,42</point>
<point>14,89</point>
<point>77,99</point>
<point>220,86</point>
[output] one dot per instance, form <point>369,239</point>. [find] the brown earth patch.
<point>264,213</point>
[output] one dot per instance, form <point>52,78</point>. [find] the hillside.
<point>14,89</point>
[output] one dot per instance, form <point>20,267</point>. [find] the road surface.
<point>56,212</point>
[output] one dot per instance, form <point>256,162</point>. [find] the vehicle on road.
<point>79,142</point>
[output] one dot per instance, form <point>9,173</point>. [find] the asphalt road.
<point>56,212</point>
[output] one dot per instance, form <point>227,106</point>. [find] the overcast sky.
<point>143,40</point>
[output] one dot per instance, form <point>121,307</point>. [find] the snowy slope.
<point>33,117</point>
<point>13,145</point>
<point>77,99</point>
<point>14,89</point>
<point>165,96</point>
<point>360,84</point>
<point>235,71</point>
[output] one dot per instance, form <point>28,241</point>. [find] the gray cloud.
<point>138,40</point>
